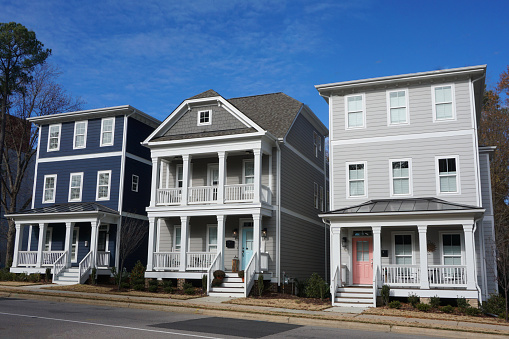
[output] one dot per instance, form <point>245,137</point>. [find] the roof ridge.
<point>259,95</point>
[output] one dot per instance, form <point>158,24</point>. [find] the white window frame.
<point>84,134</point>
<point>407,110</point>
<point>112,132</point>
<point>412,239</point>
<point>209,226</point>
<point>47,245</point>
<point>58,139</point>
<point>209,122</point>
<point>437,174</point>
<point>135,183</point>
<point>316,199</point>
<point>97,186</point>
<point>44,201</point>
<point>104,228</point>
<point>347,174</point>
<point>317,143</point>
<point>175,249</point>
<point>244,162</point>
<point>462,245</point>
<point>321,199</point>
<point>434,103</point>
<point>362,95</point>
<point>410,178</point>
<point>80,187</point>
<point>75,257</point>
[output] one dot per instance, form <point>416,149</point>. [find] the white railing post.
<point>42,235</point>
<point>17,244</point>
<point>469,255</point>
<point>69,226</point>
<point>257,220</point>
<point>221,219</point>
<point>59,265</point>
<point>423,255</point>
<point>210,271</point>
<point>257,174</point>
<point>184,225</point>
<point>377,252</point>
<point>186,159</point>
<point>222,177</point>
<point>93,241</point>
<point>151,237</point>
<point>335,249</point>
<point>156,168</point>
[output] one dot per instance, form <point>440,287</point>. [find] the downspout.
<point>479,292</point>
<point>278,215</point>
<point>329,269</point>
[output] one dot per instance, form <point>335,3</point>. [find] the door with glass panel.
<point>247,243</point>
<point>362,261</point>
<point>213,180</point>
<point>248,180</point>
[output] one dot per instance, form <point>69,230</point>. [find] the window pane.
<point>355,119</point>
<point>107,138</point>
<point>104,178</point>
<point>357,188</point>
<point>213,235</point>
<point>401,186</point>
<point>355,103</point>
<point>107,125</point>
<point>444,111</point>
<point>249,168</point>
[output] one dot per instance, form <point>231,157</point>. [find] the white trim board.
<point>81,156</point>
<point>306,159</point>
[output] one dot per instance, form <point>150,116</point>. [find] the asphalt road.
<point>25,318</point>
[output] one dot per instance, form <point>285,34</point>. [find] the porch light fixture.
<point>344,241</point>
<point>264,233</point>
<point>235,233</point>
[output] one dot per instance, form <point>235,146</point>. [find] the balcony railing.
<point>199,260</point>
<point>166,260</point>
<point>438,275</point>
<point>239,193</point>
<point>50,257</point>
<point>401,275</point>
<point>195,261</point>
<point>103,259</point>
<point>448,275</point>
<point>202,194</point>
<point>169,196</point>
<point>29,258</point>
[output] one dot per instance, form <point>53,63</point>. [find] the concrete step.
<point>75,279</point>
<point>228,289</point>
<point>353,295</point>
<point>354,300</point>
<point>226,294</point>
<point>355,289</point>
<point>69,274</point>
<point>58,282</point>
<point>345,304</point>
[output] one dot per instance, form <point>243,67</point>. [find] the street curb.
<point>288,318</point>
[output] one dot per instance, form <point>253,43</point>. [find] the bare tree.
<point>41,96</point>
<point>132,233</point>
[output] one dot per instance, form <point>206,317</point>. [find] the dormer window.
<point>204,118</point>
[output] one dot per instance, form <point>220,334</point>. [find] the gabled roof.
<point>75,207</point>
<point>207,94</point>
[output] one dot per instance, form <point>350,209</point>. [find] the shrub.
<point>301,287</point>
<point>22,277</point>
<point>260,285</point>
<point>241,274</point>
<point>153,286</point>
<point>494,305</point>
<point>216,282</point>
<point>204,283</point>
<point>93,275</point>
<point>36,277</point>
<point>47,275</point>
<point>473,311</point>
<point>414,300</point>
<point>463,303</point>
<point>434,301</point>
<point>316,287</point>
<point>395,304</point>
<point>125,285</point>
<point>447,309</point>
<point>168,286</point>
<point>188,288</point>
<point>385,293</point>
<point>138,276</point>
<point>218,274</point>
<point>423,307</point>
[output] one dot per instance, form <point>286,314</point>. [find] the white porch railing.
<point>266,195</point>
<point>59,265</point>
<point>50,257</point>
<point>334,283</point>
<point>198,260</point>
<point>85,266</point>
<point>166,260</point>
<point>27,258</point>
<point>249,274</point>
<point>202,194</point>
<point>401,275</point>
<point>214,266</point>
<point>169,196</point>
<point>239,193</point>
<point>103,259</point>
<point>447,275</point>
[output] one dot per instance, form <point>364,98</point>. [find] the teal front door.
<point>247,245</point>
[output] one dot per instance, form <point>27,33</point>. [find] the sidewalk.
<point>338,317</point>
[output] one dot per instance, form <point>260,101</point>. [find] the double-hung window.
<point>397,106</point>
<point>401,177</point>
<point>356,175</point>
<point>316,199</point>
<point>177,238</point>
<point>211,238</point>
<point>403,249</point>
<point>103,185</point>
<point>355,111</point>
<point>107,131</point>
<point>75,186</point>
<point>74,244</point>
<point>135,182</point>
<point>80,134</point>
<point>50,186</point>
<point>204,118</point>
<point>451,249</point>
<point>54,137</point>
<point>317,141</point>
<point>448,175</point>
<point>443,102</point>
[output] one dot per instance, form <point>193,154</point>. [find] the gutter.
<point>278,214</point>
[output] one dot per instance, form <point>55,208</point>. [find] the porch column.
<point>151,238</point>
<point>257,220</point>
<point>186,159</point>
<point>220,238</point>
<point>257,174</point>
<point>469,255</point>
<point>184,224</point>
<point>222,178</point>
<point>94,234</point>
<point>377,252</point>
<point>42,235</point>
<point>336,256</point>
<point>69,227</point>
<point>17,244</point>
<point>423,255</point>
<point>156,168</point>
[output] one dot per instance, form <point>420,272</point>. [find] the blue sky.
<point>154,54</point>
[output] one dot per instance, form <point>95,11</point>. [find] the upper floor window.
<point>400,177</point>
<point>447,175</point>
<point>50,184</point>
<point>54,137</point>
<point>356,179</point>
<point>204,118</point>
<point>80,134</point>
<point>397,106</point>
<point>355,111</point>
<point>179,178</point>
<point>103,185</point>
<point>107,131</point>
<point>443,102</point>
<point>316,198</point>
<point>75,186</point>
<point>248,172</point>
<point>321,199</point>
<point>317,142</point>
<point>135,182</point>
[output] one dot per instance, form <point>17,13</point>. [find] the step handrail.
<point>210,272</point>
<point>249,274</point>
<point>59,266</point>
<point>85,266</point>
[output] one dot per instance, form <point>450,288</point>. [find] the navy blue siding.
<point>89,167</point>
<point>136,133</point>
<point>93,139</point>
<point>141,252</point>
<point>136,202</point>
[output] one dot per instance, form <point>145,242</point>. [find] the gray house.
<point>238,184</point>
<point>410,187</point>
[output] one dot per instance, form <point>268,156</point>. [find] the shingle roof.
<point>403,205</point>
<point>206,94</point>
<point>204,134</point>
<point>70,208</point>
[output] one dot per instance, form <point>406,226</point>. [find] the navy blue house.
<point>92,176</point>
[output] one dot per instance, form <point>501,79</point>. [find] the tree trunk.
<point>10,243</point>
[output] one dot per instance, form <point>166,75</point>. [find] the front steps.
<point>354,296</point>
<point>70,276</point>
<point>232,287</point>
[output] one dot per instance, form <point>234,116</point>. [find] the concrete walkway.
<point>339,317</point>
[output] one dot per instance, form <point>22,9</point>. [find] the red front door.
<point>362,261</point>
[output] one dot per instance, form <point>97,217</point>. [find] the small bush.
<point>260,285</point>
<point>168,286</point>
<point>447,309</point>
<point>204,283</point>
<point>47,275</point>
<point>423,307</point>
<point>434,301</point>
<point>395,304</point>
<point>188,288</point>
<point>472,311</point>
<point>22,277</point>
<point>153,286</point>
<point>218,274</point>
<point>494,305</point>
<point>216,282</point>
<point>301,287</point>
<point>414,300</point>
<point>36,277</point>
<point>316,287</point>
<point>138,276</point>
<point>125,286</point>
<point>93,275</point>
<point>462,303</point>
<point>385,293</point>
